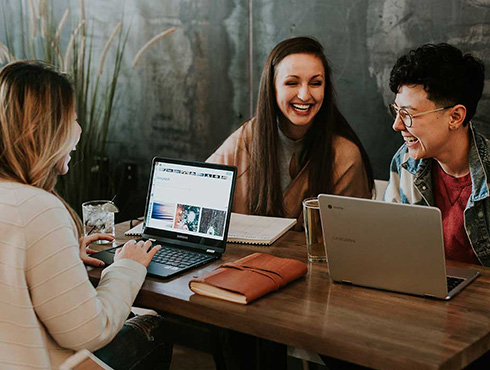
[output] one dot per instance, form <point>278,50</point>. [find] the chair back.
<point>379,189</point>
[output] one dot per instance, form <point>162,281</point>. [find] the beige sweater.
<point>48,307</point>
<point>349,175</point>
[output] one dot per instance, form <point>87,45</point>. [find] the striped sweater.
<point>48,307</point>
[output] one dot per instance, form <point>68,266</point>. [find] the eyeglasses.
<point>407,117</point>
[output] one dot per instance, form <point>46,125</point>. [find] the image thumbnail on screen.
<point>187,217</point>
<point>163,212</point>
<point>212,222</point>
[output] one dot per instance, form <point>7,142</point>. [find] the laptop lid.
<point>189,204</point>
<point>384,245</point>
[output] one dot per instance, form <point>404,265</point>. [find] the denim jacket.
<point>411,183</point>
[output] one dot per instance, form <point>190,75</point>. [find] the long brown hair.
<point>265,195</point>
<point>37,105</point>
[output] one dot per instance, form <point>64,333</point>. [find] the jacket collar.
<point>479,165</point>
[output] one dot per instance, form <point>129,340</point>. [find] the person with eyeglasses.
<point>444,161</point>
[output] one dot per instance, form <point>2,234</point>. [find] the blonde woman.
<point>48,307</point>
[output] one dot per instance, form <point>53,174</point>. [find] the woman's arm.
<point>75,314</point>
<point>350,178</point>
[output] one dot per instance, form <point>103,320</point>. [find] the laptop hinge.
<point>429,295</point>
<point>210,251</point>
<point>346,281</point>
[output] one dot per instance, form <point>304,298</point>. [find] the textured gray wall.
<point>191,90</point>
<point>363,40</point>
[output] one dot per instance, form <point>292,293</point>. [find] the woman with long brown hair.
<point>48,307</point>
<point>298,144</point>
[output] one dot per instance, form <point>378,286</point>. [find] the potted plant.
<point>38,36</point>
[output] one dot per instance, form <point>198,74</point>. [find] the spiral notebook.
<point>261,230</point>
<point>247,229</point>
<point>135,231</point>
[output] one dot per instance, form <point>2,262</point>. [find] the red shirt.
<point>451,195</point>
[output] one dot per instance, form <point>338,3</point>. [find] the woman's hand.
<point>85,241</point>
<point>137,251</point>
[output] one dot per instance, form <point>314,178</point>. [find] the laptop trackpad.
<point>160,270</point>
<point>106,256</point>
<point>461,272</point>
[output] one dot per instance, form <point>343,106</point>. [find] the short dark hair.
<point>448,76</point>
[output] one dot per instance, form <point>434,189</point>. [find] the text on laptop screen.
<point>189,200</point>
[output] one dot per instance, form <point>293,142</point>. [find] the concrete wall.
<point>191,90</point>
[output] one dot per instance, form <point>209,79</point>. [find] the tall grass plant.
<point>32,33</point>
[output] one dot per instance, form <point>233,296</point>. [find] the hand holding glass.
<point>98,217</point>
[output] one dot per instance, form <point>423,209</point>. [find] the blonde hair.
<point>37,105</point>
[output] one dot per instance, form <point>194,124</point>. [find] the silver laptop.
<point>188,210</point>
<point>389,246</point>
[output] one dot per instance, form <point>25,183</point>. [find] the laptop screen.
<point>189,201</point>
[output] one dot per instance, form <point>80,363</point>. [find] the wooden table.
<point>365,326</point>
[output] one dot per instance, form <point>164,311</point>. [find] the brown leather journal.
<point>249,278</point>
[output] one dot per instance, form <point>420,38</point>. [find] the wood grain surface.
<point>369,327</point>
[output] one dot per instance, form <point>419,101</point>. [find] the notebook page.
<point>135,231</point>
<point>255,228</point>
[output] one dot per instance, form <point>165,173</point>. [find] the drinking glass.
<point>98,217</point>
<point>313,230</point>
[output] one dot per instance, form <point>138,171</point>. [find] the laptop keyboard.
<point>453,282</point>
<point>175,259</point>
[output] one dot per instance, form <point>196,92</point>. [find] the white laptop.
<point>389,246</point>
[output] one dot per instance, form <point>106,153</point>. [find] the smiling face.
<point>62,165</point>
<point>300,88</point>
<point>429,136</point>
